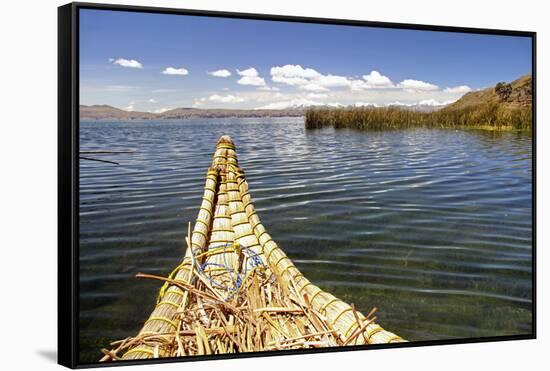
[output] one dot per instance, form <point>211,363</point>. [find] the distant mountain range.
<point>105,112</point>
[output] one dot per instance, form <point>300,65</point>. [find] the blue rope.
<point>237,279</point>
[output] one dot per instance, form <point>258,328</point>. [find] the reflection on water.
<point>433,227</point>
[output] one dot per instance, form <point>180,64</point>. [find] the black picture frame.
<point>68,176</point>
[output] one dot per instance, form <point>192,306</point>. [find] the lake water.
<point>433,227</point>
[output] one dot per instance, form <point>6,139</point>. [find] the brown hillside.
<point>516,94</point>
<point>105,112</point>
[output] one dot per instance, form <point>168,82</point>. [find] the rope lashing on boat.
<point>171,276</point>
<point>226,146</point>
<point>236,277</point>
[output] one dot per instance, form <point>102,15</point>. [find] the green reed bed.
<point>490,116</point>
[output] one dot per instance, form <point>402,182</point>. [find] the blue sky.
<point>154,62</point>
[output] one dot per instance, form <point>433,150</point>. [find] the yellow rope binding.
<point>171,276</point>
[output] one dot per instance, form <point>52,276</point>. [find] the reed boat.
<point>237,291</point>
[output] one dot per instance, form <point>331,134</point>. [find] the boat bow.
<point>237,291</point>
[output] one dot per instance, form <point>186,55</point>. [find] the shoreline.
<point>87,119</point>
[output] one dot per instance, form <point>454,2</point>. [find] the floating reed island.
<point>504,107</point>
<point>487,117</point>
<point>236,291</point>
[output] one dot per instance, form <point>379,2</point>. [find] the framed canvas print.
<point>236,185</point>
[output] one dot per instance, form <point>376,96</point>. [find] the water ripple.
<point>431,226</point>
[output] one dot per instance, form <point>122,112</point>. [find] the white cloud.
<point>434,102</point>
<point>293,81</point>
<point>294,103</point>
<point>175,71</point>
<point>311,80</point>
<point>313,87</point>
<point>332,81</point>
<point>152,101</point>
<point>220,73</point>
<point>293,74</point>
<point>251,80</point>
<point>199,102</point>
<point>249,72</point>
<point>268,96</point>
<point>425,102</point>
<point>130,63</point>
<point>358,85</point>
<point>299,103</point>
<point>225,98</point>
<point>366,104</point>
<point>216,98</point>
<point>161,110</point>
<point>458,89</point>
<point>399,103</point>
<point>262,97</point>
<point>268,88</point>
<point>307,78</point>
<point>130,107</point>
<point>317,95</point>
<point>376,80</point>
<point>294,70</point>
<point>417,85</point>
<point>430,102</point>
<point>250,77</point>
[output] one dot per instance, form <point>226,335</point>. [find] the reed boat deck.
<point>236,291</point>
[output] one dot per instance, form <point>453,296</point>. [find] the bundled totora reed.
<point>236,290</point>
<point>487,116</point>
